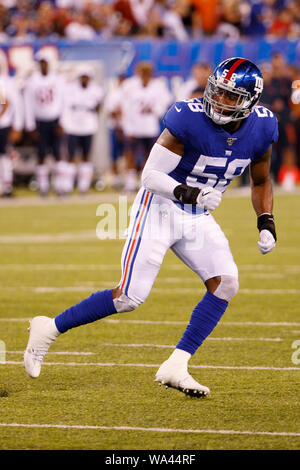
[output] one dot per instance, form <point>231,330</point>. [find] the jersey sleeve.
<point>268,135</point>
<point>176,120</point>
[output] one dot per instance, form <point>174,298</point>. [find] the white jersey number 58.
<point>213,180</point>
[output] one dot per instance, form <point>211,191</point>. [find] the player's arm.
<point>164,157</point>
<point>262,201</point>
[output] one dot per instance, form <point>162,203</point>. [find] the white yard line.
<point>62,353</point>
<point>145,345</point>
<point>183,290</point>
<point>149,429</point>
<point>57,237</point>
<point>170,322</point>
<point>99,267</point>
<point>172,346</point>
<point>114,364</point>
<point>60,267</point>
<point>175,267</point>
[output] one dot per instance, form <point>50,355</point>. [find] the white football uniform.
<point>113,103</point>
<point>43,97</point>
<point>79,115</point>
<point>157,224</point>
<point>14,113</point>
<point>136,98</point>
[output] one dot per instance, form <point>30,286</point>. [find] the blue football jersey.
<point>212,156</point>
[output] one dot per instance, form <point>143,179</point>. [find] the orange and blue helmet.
<point>240,83</point>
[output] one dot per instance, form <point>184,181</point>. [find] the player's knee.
<point>227,288</point>
<point>125,304</point>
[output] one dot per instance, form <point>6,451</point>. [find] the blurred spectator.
<point>43,96</point>
<point>257,15</point>
<point>276,96</point>
<point>178,19</point>
<point>206,16</point>
<point>79,29</point>
<point>230,25</point>
<point>44,20</point>
<point>80,122</point>
<point>295,110</point>
<point>19,28</point>
<point>289,173</point>
<point>166,21</point>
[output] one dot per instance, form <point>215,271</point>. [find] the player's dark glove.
<point>267,233</point>
<point>186,194</point>
<point>208,198</point>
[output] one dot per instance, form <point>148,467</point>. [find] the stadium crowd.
<point>58,116</point>
<point>178,19</point>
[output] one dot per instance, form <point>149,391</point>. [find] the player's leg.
<point>42,170</point>
<point>142,256</point>
<point>85,168</point>
<point>6,167</point>
<point>66,169</point>
<point>210,257</point>
<point>116,151</point>
<point>131,181</point>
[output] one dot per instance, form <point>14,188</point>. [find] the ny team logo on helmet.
<point>240,83</point>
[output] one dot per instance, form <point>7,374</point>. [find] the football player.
<point>206,143</point>
<point>43,97</point>
<point>145,101</point>
<point>80,121</point>
<point>11,126</point>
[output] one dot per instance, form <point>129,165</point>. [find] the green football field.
<point>97,389</point>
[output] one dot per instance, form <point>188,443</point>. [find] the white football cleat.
<point>171,374</point>
<point>42,333</point>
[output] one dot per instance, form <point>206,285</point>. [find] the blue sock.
<point>204,318</point>
<point>98,305</point>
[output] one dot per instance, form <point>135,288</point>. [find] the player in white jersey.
<point>206,143</point>
<point>113,109</point>
<point>145,100</point>
<point>11,126</point>
<point>80,121</point>
<point>43,96</point>
<point>200,74</point>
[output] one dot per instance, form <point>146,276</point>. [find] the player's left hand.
<point>209,198</point>
<point>266,242</point>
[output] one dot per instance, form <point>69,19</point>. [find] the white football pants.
<point>157,224</point>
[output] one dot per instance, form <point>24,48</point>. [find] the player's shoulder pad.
<point>177,118</point>
<point>267,129</point>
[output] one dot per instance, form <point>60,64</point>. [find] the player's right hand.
<point>266,242</point>
<point>209,198</point>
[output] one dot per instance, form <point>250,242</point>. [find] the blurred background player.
<point>80,121</point>
<point>194,87</point>
<point>113,108</point>
<point>43,95</point>
<point>145,100</point>
<point>276,96</point>
<point>11,125</point>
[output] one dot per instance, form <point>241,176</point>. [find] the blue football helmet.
<point>232,91</point>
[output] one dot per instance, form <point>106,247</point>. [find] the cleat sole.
<point>193,393</point>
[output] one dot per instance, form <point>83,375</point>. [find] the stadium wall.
<point>170,57</point>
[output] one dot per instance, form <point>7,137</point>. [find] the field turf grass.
<point>99,391</point>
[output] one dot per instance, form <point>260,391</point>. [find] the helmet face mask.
<point>232,96</point>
